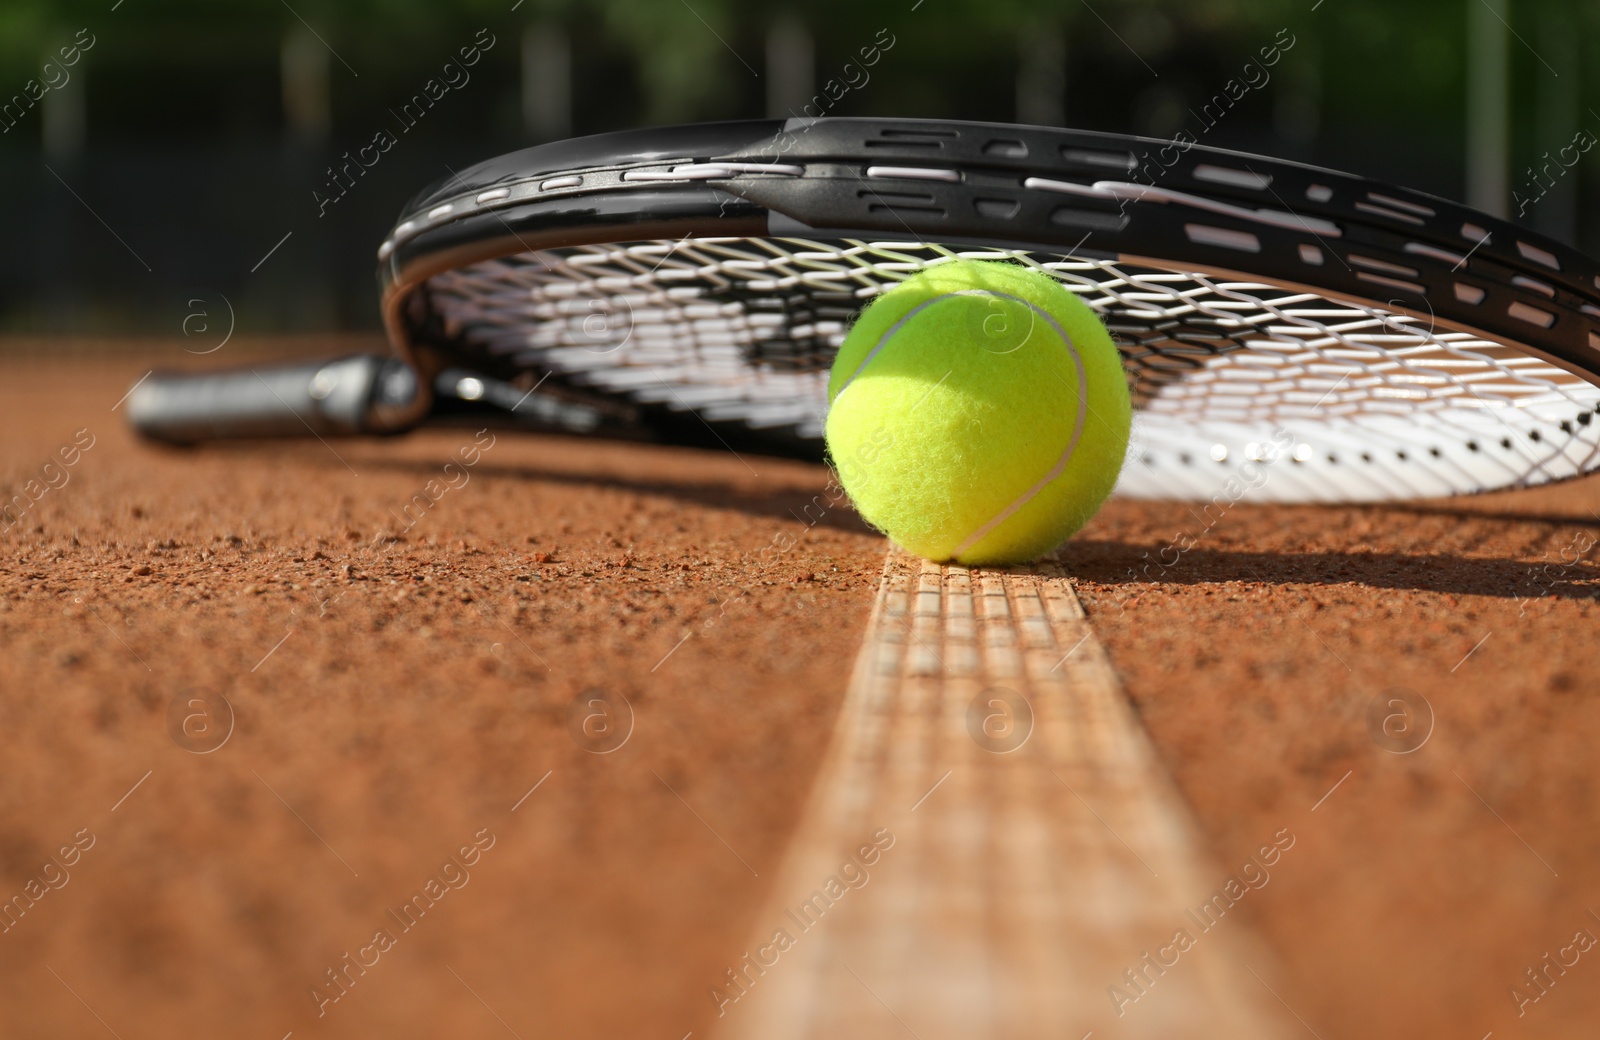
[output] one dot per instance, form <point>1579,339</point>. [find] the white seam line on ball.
<point>1066,455</point>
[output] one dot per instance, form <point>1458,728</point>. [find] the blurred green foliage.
<point>688,56</point>
<point>192,92</point>
<point>684,50</point>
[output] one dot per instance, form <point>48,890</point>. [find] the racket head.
<point>696,281</point>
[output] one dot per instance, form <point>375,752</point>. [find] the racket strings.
<point>1468,386</point>
<point>1375,403</point>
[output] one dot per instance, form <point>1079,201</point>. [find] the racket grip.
<point>348,396</point>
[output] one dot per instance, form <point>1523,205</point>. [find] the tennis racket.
<point>1351,340</point>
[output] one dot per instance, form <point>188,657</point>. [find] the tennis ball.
<point>978,413</point>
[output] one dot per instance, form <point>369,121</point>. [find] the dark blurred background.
<point>186,138</point>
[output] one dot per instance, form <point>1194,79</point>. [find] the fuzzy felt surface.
<point>955,419</point>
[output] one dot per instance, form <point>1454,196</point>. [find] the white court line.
<point>999,908</point>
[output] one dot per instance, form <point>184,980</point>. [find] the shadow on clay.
<point>1126,564</point>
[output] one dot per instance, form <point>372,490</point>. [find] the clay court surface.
<point>400,689</point>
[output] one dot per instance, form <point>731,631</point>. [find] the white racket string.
<point>1359,402</point>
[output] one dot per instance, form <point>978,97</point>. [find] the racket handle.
<point>360,394</point>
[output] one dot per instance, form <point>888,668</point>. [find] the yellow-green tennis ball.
<point>978,413</point>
